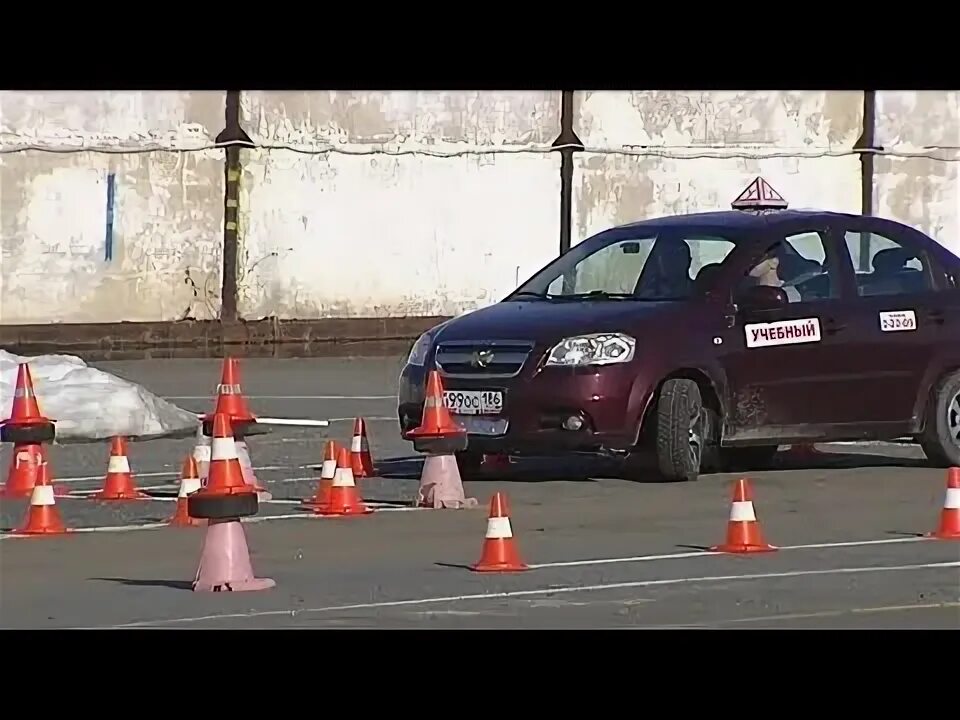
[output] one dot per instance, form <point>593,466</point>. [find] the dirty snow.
<point>90,405</point>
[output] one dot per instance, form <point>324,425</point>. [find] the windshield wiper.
<point>595,295</point>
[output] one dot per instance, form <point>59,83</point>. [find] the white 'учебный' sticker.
<point>896,320</point>
<point>785,332</point>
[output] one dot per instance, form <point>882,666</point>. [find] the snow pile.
<point>88,404</point>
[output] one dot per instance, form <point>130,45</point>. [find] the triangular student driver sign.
<point>759,196</point>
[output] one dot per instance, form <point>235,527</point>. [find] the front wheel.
<point>941,437</point>
<point>681,428</point>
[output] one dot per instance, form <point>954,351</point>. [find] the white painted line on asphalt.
<point>378,507</point>
<point>162,473</point>
<point>804,616</point>
<point>709,553</point>
<point>558,590</point>
<point>288,397</point>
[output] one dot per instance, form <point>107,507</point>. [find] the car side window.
<point>800,266</point>
<point>885,266</point>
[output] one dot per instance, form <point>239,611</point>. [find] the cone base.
<point>119,496</point>
<point>499,567</point>
<point>251,585</point>
<point>42,520</point>
<point>499,555</point>
<point>944,535</point>
<point>342,510</point>
<point>441,487</point>
<point>182,519</point>
<point>743,549</point>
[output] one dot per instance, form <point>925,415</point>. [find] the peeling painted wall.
<point>384,204</point>
<point>377,204</point>
<point>162,260</point>
<point>923,192</point>
<point>652,153</point>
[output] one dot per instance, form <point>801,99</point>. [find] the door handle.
<point>832,326</point>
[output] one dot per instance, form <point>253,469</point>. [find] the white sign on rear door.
<point>897,320</point>
<point>785,332</point>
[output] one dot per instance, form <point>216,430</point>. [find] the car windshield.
<point>654,267</point>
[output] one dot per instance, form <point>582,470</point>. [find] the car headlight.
<point>418,353</point>
<point>595,349</point>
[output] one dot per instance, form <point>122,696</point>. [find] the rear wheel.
<point>941,437</point>
<point>681,430</point>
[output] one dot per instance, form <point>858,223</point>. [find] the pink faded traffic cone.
<point>225,561</point>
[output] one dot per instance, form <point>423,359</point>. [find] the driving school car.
<point>708,340</point>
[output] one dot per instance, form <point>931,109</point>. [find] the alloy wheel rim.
<point>695,434</point>
<point>953,419</point>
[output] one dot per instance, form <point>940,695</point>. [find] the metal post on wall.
<point>866,144</point>
<point>232,133</point>
<point>567,143</point>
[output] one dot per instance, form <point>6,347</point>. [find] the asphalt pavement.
<point>604,552</point>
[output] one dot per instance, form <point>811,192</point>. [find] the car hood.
<point>547,321</point>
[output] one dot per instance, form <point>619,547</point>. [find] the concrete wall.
<point>920,191</point>
<point>385,204</point>
<point>165,257</point>
<point>371,204</point>
<point>651,153</point>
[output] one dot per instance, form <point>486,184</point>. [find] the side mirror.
<point>761,297</point>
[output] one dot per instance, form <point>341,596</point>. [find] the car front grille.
<point>488,359</point>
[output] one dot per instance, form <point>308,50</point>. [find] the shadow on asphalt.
<point>587,468</point>
<point>173,584</point>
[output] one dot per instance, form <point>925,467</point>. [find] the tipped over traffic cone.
<point>743,530</point>
<point>949,528</point>
<point>225,561</point>
<point>499,552</point>
<point>43,518</point>
<point>437,433</point>
<point>360,459</point>
<point>22,475</point>
<point>343,498</point>
<point>189,483</point>
<point>327,472</point>
<point>119,484</point>
<point>441,485</point>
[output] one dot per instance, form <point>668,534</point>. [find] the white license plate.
<point>473,402</point>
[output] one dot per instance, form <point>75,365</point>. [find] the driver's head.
<point>768,264</point>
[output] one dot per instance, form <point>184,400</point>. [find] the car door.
<point>784,366</point>
<point>899,316</point>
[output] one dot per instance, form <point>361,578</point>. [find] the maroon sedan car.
<point>710,339</point>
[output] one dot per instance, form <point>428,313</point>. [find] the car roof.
<point>739,219</point>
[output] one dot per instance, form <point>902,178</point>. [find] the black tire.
<point>941,436</point>
<point>679,432</point>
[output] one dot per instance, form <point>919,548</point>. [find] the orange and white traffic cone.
<point>328,471</point>
<point>743,530</point>
<point>119,484</point>
<point>360,459</point>
<point>949,528</point>
<point>499,552</point>
<point>201,453</point>
<point>189,483</point>
<point>344,498</point>
<point>43,518</point>
<point>22,475</point>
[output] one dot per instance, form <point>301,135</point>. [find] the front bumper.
<point>608,399</point>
